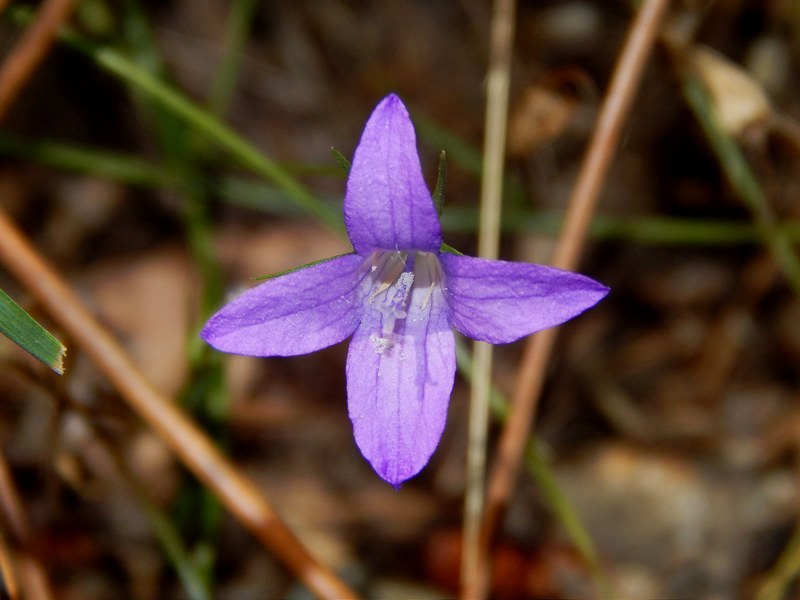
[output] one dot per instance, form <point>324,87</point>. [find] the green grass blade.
<point>743,180</point>
<point>24,331</point>
<point>199,119</point>
<point>115,166</point>
<point>203,121</point>
<point>240,20</point>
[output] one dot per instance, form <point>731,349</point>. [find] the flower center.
<point>400,286</point>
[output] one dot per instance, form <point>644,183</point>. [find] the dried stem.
<point>191,446</point>
<point>7,570</point>
<point>475,565</point>
<point>568,250</point>
<point>11,505</point>
<point>31,577</point>
<point>31,50</point>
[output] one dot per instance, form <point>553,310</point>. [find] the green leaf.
<point>21,329</point>
<point>341,160</point>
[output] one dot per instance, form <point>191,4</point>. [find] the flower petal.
<point>300,312</point>
<point>388,205</point>
<point>399,385</point>
<point>498,302</point>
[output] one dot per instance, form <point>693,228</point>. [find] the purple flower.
<point>400,297</point>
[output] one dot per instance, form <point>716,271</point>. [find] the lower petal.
<point>398,389</point>
<point>300,312</point>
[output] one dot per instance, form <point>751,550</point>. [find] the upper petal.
<point>387,204</point>
<point>296,313</point>
<point>498,301</point>
<point>399,385</point>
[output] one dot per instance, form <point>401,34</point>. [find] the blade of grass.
<point>23,330</point>
<point>256,195</point>
<point>227,74</point>
<point>199,119</point>
<point>248,155</point>
<point>116,166</point>
<point>742,179</point>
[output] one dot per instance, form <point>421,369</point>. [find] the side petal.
<point>300,312</point>
<point>387,204</point>
<point>398,388</point>
<point>499,302</point>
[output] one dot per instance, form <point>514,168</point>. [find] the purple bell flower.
<point>400,297</point>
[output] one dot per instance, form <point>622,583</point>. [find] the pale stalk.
<point>581,208</point>
<point>475,564</point>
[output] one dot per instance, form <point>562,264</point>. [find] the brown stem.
<point>31,577</point>
<point>30,50</point>
<point>570,244</point>
<point>188,442</point>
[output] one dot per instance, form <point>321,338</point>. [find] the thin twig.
<point>10,584</point>
<point>192,447</point>
<point>31,50</point>
<point>475,565</point>
<point>568,249</point>
<point>31,576</point>
<point>11,505</point>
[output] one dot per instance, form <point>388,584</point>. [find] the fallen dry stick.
<point>568,250</point>
<point>192,447</point>
<point>22,61</point>
<point>23,573</point>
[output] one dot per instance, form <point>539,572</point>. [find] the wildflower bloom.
<point>399,297</point>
